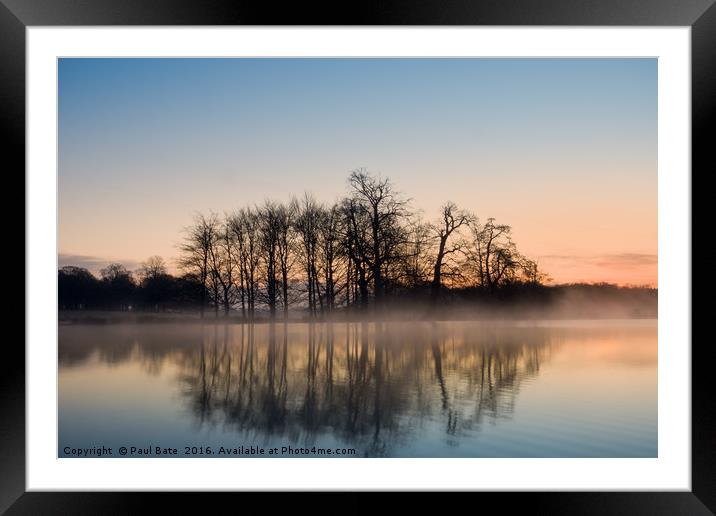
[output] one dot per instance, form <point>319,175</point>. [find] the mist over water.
<point>387,389</point>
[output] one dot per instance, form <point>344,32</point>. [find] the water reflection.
<point>368,384</point>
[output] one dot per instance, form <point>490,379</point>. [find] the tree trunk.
<point>377,263</point>
<point>437,270</point>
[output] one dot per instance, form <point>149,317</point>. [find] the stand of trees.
<point>365,252</point>
<point>150,289</point>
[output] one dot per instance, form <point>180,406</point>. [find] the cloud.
<point>92,263</point>
<point>626,260</point>
<point>619,268</point>
<point>612,261</point>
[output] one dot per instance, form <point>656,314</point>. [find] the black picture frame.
<point>700,15</point>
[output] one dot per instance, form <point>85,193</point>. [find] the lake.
<point>390,389</point>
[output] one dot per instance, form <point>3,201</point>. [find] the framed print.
<point>440,249</point>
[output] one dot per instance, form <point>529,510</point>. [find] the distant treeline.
<point>367,251</point>
<point>149,289</point>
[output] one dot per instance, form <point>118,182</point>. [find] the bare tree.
<point>532,272</point>
<point>224,263</point>
<point>245,226</point>
<point>366,245</point>
<point>269,228</point>
<point>493,255</point>
<point>356,243</point>
<point>418,263</point>
<point>199,239</point>
<point>285,246</point>
<point>384,208</point>
<point>396,250</point>
<point>307,225</point>
<point>452,219</point>
<point>152,267</point>
<point>329,251</point>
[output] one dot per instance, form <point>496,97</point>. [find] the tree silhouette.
<point>451,221</point>
<point>366,249</point>
<point>200,238</point>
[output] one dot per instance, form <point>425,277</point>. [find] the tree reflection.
<point>368,385</point>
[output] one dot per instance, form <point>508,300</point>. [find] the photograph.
<point>357,257</point>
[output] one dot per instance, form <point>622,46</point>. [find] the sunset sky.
<point>563,150</point>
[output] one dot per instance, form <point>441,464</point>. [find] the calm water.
<point>452,389</point>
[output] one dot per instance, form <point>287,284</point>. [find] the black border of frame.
<point>700,15</point>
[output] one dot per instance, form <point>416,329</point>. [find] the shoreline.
<point>72,318</point>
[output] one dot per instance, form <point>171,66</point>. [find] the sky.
<point>562,150</point>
